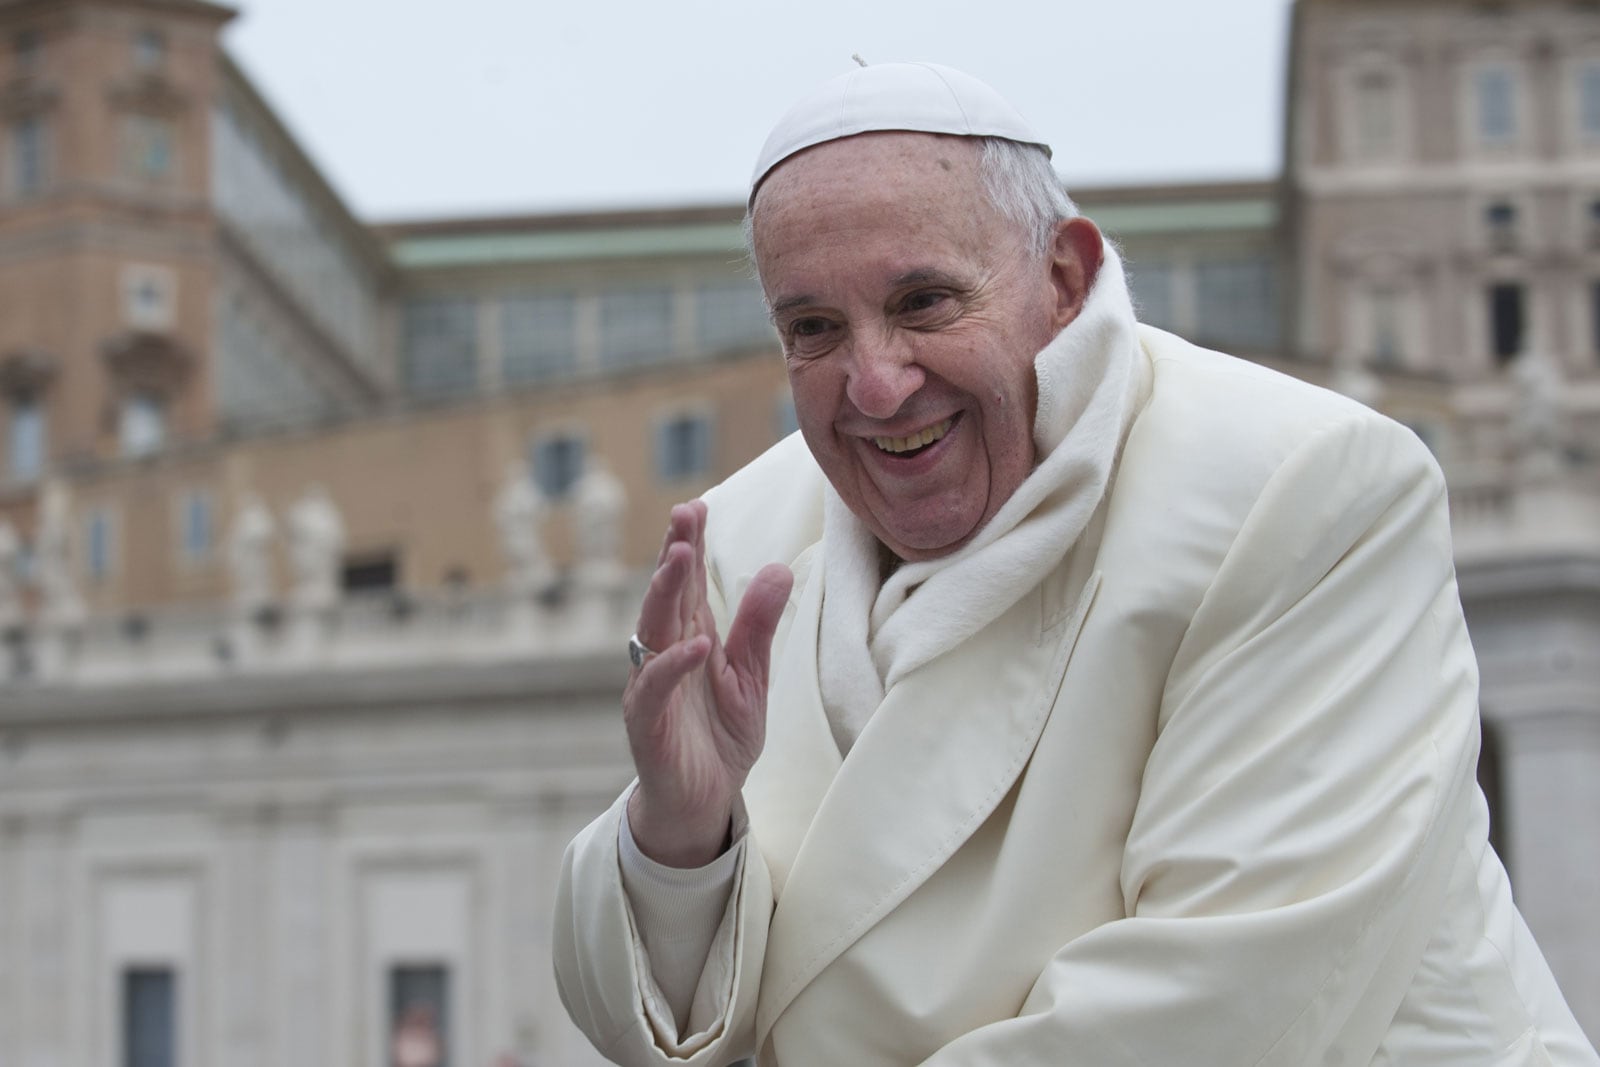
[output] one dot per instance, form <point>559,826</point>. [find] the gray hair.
<point>1020,182</point>
<point>1025,188</point>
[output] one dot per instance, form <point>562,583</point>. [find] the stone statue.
<point>1356,382</point>
<point>316,552</point>
<point>599,503</point>
<point>250,557</point>
<point>10,586</point>
<point>519,511</point>
<point>61,607</point>
<point>1539,431</point>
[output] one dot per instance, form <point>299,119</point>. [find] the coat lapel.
<point>800,759</point>
<point>848,841</point>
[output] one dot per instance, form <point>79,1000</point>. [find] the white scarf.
<point>1091,379</point>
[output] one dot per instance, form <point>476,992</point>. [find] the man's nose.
<point>883,373</point>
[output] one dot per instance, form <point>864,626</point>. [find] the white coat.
<point>1206,796</point>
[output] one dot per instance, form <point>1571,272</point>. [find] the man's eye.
<point>808,327</point>
<point>923,300</point>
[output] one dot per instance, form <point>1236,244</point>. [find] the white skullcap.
<point>921,97</point>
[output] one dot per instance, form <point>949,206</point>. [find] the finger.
<point>660,613</point>
<point>694,597</point>
<point>749,645</point>
<point>677,530</point>
<point>647,696</point>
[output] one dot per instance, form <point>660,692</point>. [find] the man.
<point>1118,709</point>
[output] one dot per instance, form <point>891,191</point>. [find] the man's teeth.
<point>916,440</point>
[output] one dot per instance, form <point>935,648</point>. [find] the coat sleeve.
<point>603,972</point>
<point>1306,796</point>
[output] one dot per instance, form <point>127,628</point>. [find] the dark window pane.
<point>149,1017</point>
<point>1594,306</point>
<point>27,155</point>
<point>538,337</point>
<point>1152,293</point>
<point>1501,218</point>
<point>683,448</point>
<point>1237,302</point>
<point>1497,105</point>
<point>370,573</point>
<point>788,420</point>
<point>419,1003</point>
<point>25,439</point>
<point>557,465</point>
<point>732,316</point>
<point>28,47</point>
<point>441,346</point>
<point>1589,99</point>
<point>635,327</point>
<point>1505,320</point>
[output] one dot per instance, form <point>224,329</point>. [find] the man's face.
<point>910,312</point>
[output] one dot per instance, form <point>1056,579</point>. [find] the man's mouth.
<point>913,443</point>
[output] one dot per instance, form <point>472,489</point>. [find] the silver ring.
<point>638,652</point>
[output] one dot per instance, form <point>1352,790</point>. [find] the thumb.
<point>749,644</point>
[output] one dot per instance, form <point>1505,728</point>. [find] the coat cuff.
<point>678,916</point>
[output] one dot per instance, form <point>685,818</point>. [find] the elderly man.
<point>1087,697</point>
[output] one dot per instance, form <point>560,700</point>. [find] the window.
<point>27,48</point>
<point>1589,101</point>
<point>731,316</point>
<point>558,464</point>
<point>196,526</point>
<point>149,51</point>
<point>1377,135</point>
<point>635,327</point>
<point>1594,315</point>
<point>1594,224</point>
<point>1500,219</point>
<point>149,1017</point>
<point>683,448</point>
<point>147,147</point>
<point>25,439</point>
<point>370,573</point>
<point>99,539</point>
<point>1152,294</point>
<point>538,337</point>
<point>1236,302</point>
<point>149,296</point>
<point>1386,342</point>
<point>27,155</point>
<point>143,425</point>
<point>1496,95</point>
<point>787,420</point>
<point>419,1015</point>
<point>441,346</point>
<point>1505,321</point>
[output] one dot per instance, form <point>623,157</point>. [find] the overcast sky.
<point>424,108</point>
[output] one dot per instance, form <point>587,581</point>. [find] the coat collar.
<point>846,841</point>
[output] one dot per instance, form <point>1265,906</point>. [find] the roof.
<point>717,229</point>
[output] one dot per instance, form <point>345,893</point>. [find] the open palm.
<point>696,712</point>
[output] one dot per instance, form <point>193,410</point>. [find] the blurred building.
<point>319,541</point>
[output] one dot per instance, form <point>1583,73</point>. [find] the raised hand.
<point>696,713</point>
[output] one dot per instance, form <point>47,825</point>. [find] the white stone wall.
<point>280,856</point>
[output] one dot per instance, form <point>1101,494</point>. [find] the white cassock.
<point>1203,794</point>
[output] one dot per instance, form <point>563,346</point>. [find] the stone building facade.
<point>318,540</point>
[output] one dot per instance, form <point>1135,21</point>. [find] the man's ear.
<point>1076,252</point>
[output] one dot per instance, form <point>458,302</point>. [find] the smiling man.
<point>1062,694</point>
